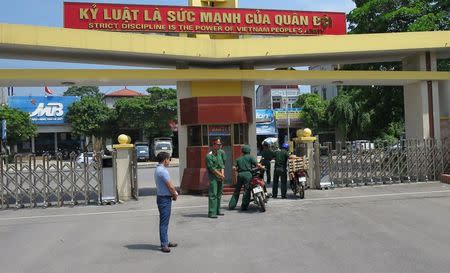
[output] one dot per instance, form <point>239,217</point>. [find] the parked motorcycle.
<point>298,182</point>
<point>258,189</point>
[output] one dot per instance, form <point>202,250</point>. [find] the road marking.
<point>364,196</point>
<point>205,206</point>
<point>95,213</point>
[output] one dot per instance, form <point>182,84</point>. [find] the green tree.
<point>18,124</point>
<point>384,16</point>
<point>150,113</point>
<point>372,112</point>
<point>341,114</point>
<point>380,16</point>
<point>90,117</point>
<point>314,111</point>
<point>83,91</point>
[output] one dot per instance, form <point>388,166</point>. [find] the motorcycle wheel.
<point>301,193</point>
<point>262,205</point>
<point>293,186</point>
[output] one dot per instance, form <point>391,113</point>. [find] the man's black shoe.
<point>165,249</point>
<point>173,244</point>
<point>283,197</point>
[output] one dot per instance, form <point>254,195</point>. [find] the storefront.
<point>288,118</point>
<point>48,113</point>
<point>265,126</point>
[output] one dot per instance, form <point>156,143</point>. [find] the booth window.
<point>195,135</point>
<point>240,134</point>
<point>205,135</point>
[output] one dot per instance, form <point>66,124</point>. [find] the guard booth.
<point>209,118</point>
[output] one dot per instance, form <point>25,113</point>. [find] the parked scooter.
<point>258,189</point>
<point>298,182</point>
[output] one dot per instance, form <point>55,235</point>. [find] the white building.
<point>326,91</point>
<point>271,96</point>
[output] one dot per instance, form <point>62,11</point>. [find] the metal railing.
<point>32,182</point>
<point>356,164</point>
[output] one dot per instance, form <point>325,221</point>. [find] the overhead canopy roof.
<point>100,47</point>
<point>141,77</point>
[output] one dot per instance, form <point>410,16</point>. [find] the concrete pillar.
<point>123,173</point>
<point>416,99</point>
<point>248,90</point>
<point>55,135</point>
<point>33,145</point>
<point>183,91</point>
<point>444,106</point>
<point>122,167</point>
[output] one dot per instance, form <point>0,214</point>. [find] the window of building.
<point>205,135</point>
<point>195,135</point>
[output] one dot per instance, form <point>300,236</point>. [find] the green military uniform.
<point>214,162</point>
<point>223,157</point>
<point>244,165</point>
<point>281,158</point>
<point>267,155</point>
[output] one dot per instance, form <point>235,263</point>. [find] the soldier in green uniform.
<point>215,166</point>
<point>243,165</point>
<point>281,158</point>
<point>266,156</point>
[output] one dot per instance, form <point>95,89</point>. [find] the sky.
<point>50,13</point>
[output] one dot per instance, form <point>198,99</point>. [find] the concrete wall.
<point>444,98</point>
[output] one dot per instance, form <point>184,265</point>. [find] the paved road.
<point>397,228</point>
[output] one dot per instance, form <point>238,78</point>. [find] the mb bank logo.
<point>50,110</point>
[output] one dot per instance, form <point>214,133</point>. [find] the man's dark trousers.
<point>268,174</point>
<point>165,208</point>
<point>279,173</point>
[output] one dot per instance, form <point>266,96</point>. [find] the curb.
<point>445,178</point>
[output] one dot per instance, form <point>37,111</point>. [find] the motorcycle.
<point>258,189</point>
<point>298,182</point>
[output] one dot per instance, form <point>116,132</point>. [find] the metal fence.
<point>134,175</point>
<point>356,164</point>
<point>29,181</point>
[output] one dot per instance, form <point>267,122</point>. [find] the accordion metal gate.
<point>32,182</point>
<point>357,164</point>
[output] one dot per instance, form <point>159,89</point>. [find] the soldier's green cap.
<point>246,149</point>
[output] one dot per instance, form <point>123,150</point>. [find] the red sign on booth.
<point>177,19</point>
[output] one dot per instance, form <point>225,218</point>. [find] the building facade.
<point>326,91</point>
<point>111,98</point>
<point>48,114</point>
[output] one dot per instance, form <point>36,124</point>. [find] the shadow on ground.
<point>144,247</point>
<point>196,215</point>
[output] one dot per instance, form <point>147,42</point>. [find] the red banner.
<point>166,19</point>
